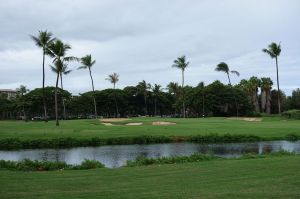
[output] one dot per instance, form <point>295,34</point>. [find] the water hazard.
<point>117,155</point>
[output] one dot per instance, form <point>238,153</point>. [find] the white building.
<point>9,93</point>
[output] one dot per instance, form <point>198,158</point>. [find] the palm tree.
<point>266,87</point>
<point>174,89</point>
<point>87,63</point>
<point>274,51</point>
<point>143,87</point>
<point>56,68</point>
<point>43,40</point>
<point>114,78</point>
<point>254,84</point>
<point>62,71</point>
<point>21,92</point>
<point>156,91</point>
<point>181,64</point>
<point>58,51</point>
<point>223,67</point>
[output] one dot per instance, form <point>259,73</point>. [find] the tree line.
<point>143,99</point>
<point>253,97</point>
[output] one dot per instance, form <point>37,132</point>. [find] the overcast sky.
<point>139,39</point>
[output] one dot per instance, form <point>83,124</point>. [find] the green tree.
<point>21,100</point>
<point>274,51</point>
<point>266,87</point>
<point>43,40</point>
<point>87,63</point>
<point>223,67</point>
<point>143,87</point>
<point>181,64</point>
<point>254,84</point>
<point>114,78</point>
<point>156,89</point>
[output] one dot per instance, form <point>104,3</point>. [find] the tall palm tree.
<point>156,89</point>
<point>143,87</point>
<point>43,40</point>
<point>58,51</point>
<point>114,78</point>
<point>87,63</point>
<point>266,87</point>
<point>223,67</point>
<point>274,51</point>
<point>181,64</point>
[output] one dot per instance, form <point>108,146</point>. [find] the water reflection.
<point>117,155</point>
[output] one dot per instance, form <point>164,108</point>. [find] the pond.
<point>116,155</point>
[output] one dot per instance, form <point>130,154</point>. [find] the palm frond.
<point>235,72</point>
<point>222,67</point>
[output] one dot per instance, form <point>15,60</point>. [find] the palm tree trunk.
<point>56,109</point>
<point>117,109</point>
<point>95,105</point>
<point>63,100</point>
<point>268,101</point>
<point>278,94</point>
<point>183,96</point>
<point>44,100</point>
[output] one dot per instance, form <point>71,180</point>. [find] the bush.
<point>141,160</point>
<point>227,138</point>
<point>198,157</point>
<point>89,164</point>
<point>35,165</point>
<point>291,114</point>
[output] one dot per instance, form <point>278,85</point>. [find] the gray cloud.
<point>139,39</point>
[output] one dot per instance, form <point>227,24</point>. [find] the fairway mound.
<point>114,119</point>
<point>162,123</point>
<point>248,119</point>
<point>134,124</point>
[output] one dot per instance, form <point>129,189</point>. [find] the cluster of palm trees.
<point>57,51</point>
<point>273,50</point>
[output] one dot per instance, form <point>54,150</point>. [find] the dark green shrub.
<point>292,137</point>
<point>291,114</point>
<point>89,164</point>
<point>35,165</point>
<point>141,160</point>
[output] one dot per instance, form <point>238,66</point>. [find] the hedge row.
<point>35,165</point>
<point>15,143</point>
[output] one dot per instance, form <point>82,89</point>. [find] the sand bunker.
<point>107,124</point>
<point>114,119</point>
<point>248,119</point>
<point>134,124</point>
<point>163,123</point>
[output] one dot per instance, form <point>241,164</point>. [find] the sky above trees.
<point>140,39</point>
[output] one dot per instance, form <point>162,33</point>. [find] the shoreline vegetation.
<point>69,142</point>
<point>35,165</point>
<point>87,133</point>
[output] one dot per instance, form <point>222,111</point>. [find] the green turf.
<point>268,127</point>
<point>276,177</point>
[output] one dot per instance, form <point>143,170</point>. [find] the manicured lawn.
<point>268,127</point>
<point>274,177</point>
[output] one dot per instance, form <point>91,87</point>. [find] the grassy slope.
<point>276,177</point>
<point>269,127</point>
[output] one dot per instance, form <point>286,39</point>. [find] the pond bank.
<point>68,142</point>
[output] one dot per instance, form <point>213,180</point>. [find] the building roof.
<point>8,90</point>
